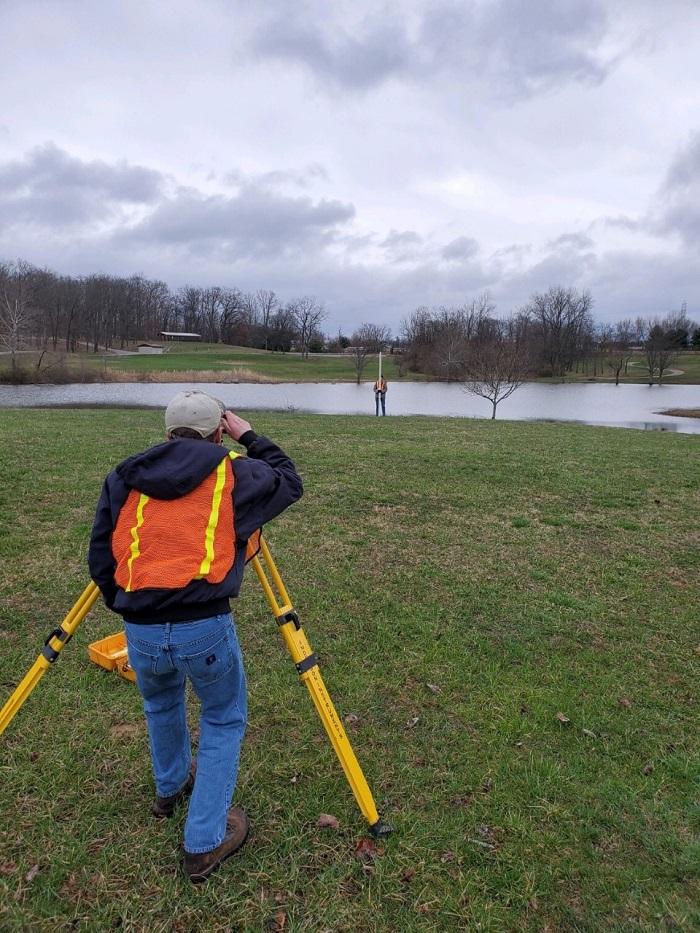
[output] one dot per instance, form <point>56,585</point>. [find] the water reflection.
<point>631,406</point>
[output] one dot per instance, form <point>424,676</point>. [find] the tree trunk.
<point>493,415</point>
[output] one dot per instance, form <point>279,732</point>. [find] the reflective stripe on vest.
<point>167,543</point>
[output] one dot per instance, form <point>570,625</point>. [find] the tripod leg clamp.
<point>306,665</point>
<point>290,616</point>
<point>50,653</point>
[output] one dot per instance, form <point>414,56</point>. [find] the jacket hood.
<point>172,469</point>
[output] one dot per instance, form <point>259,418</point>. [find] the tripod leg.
<point>52,648</point>
<point>307,667</point>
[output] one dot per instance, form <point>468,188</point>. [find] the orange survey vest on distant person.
<point>167,543</point>
<point>380,385</point>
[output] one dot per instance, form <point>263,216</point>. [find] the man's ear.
<point>219,435</point>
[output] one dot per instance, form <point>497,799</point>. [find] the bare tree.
<point>307,313</point>
<point>661,347</point>
<point>497,365</point>
<point>437,340</point>
<point>16,287</point>
<point>374,337</point>
<point>619,340</point>
<point>362,339</point>
<point>563,327</point>
<point>266,303</point>
<point>282,330</point>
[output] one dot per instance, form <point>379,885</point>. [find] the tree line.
<point>552,335</point>
<point>43,309</point>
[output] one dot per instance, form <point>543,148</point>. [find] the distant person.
<point>172,533</point>
<point>380,387</point>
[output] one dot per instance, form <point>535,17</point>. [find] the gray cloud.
<point>50,186</point>
<point>351,61</point>
<point>516,48</point>
<point>402,246</point>
<point>256,221</point>
<point>679,199</point>
<point>460,249</point>
<point>53,190</point>
<point>571,241</point>
<point>302,178</point>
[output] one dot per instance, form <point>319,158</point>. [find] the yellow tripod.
<point>296,642</point>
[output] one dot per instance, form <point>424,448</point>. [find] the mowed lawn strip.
<point>505,613</point>
<point>215,361</point>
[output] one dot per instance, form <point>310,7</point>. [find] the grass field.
<point>221,361</point>
<point>507,613</point>
<point>684,371</point>
<point>214,362</point>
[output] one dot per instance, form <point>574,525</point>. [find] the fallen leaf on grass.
<point>587,732</point>
<point>8,868</point>
<point>447,857</point>
<point>32,873</point>
<point>328,821</point>
<point>408,875</point>
<point>625,703</point>
<point>367,850</point>
<point>433,688</point>
<point>413,722</point>
<point>295,778</point>
<point>487,786</point>
<point>562,718</point>
<point>648,767</point>
<point>351,719</point>
<point>277,922</point>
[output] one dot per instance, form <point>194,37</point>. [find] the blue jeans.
<point>163,655</point>
<point>380,396</point>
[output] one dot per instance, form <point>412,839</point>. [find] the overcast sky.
<point>379,156</point>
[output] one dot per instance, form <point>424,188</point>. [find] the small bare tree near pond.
<point>664,340</point>
<point>496,365</point>
<point>616,342</point>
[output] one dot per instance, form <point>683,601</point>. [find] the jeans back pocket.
<point>207,665</point>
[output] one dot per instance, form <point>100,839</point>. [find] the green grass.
<point>685,371</point>
<point>520,570</point>
<point>220,358</point>
<point>260,365</point>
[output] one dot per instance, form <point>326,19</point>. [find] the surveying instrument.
<point>111,653</point>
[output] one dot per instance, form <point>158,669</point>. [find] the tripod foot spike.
<point>380,829</point>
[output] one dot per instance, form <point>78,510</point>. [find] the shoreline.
<point>681,412</point>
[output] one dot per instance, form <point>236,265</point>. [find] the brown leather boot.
<point>165,806</point>
<point>198,866</point>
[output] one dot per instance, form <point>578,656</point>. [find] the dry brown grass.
<point>237,374</point>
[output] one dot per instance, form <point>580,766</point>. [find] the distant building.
<point>175,335</point>
<point>150,348</point>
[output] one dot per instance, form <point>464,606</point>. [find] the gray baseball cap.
<point>194,409</point>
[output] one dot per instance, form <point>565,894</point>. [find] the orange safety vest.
<point>380,385</point>
<point>167,543</point>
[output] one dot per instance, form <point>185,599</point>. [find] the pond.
<point>628,406</point>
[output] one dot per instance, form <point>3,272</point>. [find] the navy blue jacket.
<point>266,483</point>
